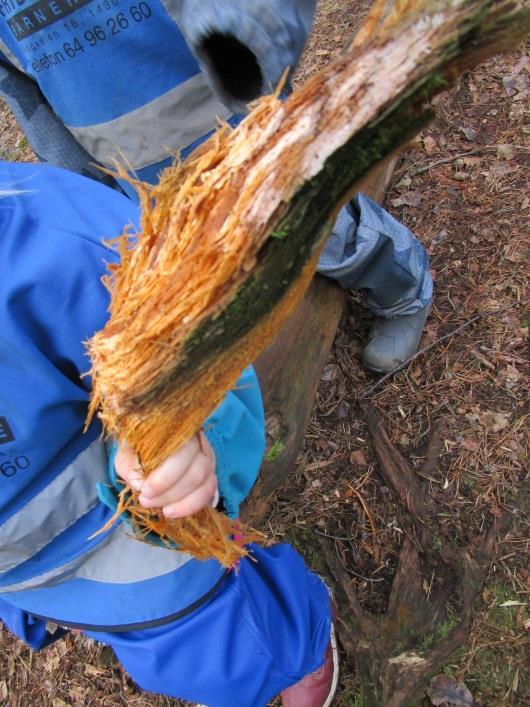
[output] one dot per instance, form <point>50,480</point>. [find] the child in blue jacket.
<point>93,80</point>
<point>180,627</point>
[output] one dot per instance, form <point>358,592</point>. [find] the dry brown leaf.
<point>429,144</point>
<point>51,663</point>
<point>410,198</point>
<point>93,671</point>
<point>469,133</point>
<point>521,64</point>
<point>470,444</point>
<point>506,152</point>
<point>330,373</point>
<point>490,420</point>
<point>510,373</point>
<point>358,458</point>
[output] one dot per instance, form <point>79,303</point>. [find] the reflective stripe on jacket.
<point>124,76</point>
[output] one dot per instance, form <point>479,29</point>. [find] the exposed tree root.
<point>397,653</point>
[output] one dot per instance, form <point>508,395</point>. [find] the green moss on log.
<point>281,260</point>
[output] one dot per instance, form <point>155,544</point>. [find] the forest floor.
<point>463,188</point>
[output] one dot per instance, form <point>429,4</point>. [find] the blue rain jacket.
<point>193,62</point>
<point>52,300</point>
<point>91,80</point>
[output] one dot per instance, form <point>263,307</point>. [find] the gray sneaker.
<point>392,341</point>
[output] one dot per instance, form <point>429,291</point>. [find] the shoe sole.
<point>335,656</point>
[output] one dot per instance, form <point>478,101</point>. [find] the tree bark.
<point>395,654</point>
<point>249,213</point>
<point>289,370</point>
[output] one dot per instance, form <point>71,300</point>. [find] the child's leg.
<point>369,250</point>
<point>265,630</point>
<point>26,627</point>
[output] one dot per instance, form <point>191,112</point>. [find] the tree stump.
<point>289,370</point>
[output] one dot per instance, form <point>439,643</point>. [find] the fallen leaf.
<point>404,183</point>
<point>490,420</point>
<point>329,373</point>
<point>429,144</point>
<point>439,238</point>
<point>471,161</point>
<point>510,373</point>
<point>51,663</point>
<point>445,690</point>
<point>470,444</point>
<point>507,82</point>
<point>516,86</point>
<point>469,133</point>
<point>521,64</point>
<point>500,170</point>
<point>410,198</point>
<point>487,596</point>
<point>3,690</point>
<point>506,152</point>
<point>512,603</point>
<point>343,410</point>
<point>78,693</point>
<point>358,458</point>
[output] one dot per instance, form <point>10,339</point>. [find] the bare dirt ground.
<point>463,188</point>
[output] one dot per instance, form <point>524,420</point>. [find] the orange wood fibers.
<point>193,252</point>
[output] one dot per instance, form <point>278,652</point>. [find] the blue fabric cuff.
<point>274,31</point>
<point>236,431</point>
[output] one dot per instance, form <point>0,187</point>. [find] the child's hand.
<point>181,486</point>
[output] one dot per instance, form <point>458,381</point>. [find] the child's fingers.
<point>171,470</point>
<point>194,502</point>
<point>195,476</point>
<point>127,465</point>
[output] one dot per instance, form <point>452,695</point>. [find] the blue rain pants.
<point>267,627</point>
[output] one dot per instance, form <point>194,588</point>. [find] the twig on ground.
<point>453,158</point>
<point>418,353</point>
<point>481,315</point>
<point>368,514</point>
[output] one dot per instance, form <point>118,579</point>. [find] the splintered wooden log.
<point>229,240</point>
